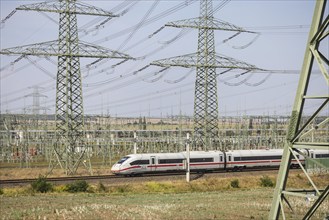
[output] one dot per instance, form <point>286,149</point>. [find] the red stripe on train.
<point>204,164</point>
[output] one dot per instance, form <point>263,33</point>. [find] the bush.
<point>41,185</point>
<point>265,181</point>
<point>77,186</point>
<point>235,183</point>
<point>1,191</point>
<point>101,187</point>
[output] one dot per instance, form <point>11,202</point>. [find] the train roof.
<point>255,152</point>
<point>205,153</point>
<point>178,153</point>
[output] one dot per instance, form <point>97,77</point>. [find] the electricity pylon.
<point>35,108</point>
<point>69,150</point>
<point>206,61</point>
<point>297,131</point>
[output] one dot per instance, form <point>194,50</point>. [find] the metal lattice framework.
<point>206,61</point>
<point>297,131</point>
<point>69,150</point>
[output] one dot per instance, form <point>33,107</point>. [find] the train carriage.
<point>203,161</point>
<point>242,159</point>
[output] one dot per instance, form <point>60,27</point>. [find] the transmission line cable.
<point>148,21</point>
<point>139,24</point>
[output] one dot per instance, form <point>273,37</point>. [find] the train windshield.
<point>122,160</point>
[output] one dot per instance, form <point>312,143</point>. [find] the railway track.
<point>56,179</point>
<point>76,178</point>
<point>114,179</point>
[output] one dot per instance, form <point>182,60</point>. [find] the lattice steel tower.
<point>206,61</point>
<point>35,107</point>
<point>70,149</point>
<point>301,134</point>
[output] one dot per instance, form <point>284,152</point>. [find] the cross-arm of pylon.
<point>50,48</point>
<point>61,7</point>
<point>191,60</point>
<point>213,24</point>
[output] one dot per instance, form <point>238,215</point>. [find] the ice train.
<point>205,161</point>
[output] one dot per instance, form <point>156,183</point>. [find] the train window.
<point>140,162</point>
<point>152,160</point>
<point>221,158</point>
<point>237,158</point>
<point>162,161</point>
<point>198,160</point>
<point>122,160</point>
<point>229,158</point>
<point>321,155</point>
<point>272,157</point>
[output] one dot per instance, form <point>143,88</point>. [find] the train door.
<point>153,163</point>
<point>228,160</point>
<point>221,161</point>
<point>224,157</point>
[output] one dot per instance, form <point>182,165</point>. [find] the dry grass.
<point>205,198</point>
<point>24,173</point>
<point>228,204</point>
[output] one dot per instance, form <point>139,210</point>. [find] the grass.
<point>27,173</point>
<point>205,198</point>
<point>230,204</point>
<point>197,205</point>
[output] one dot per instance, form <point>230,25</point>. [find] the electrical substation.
<point>71,139</point>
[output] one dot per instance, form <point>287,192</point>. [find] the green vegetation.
<point>205,198</point>
<point>235,183</point>
<point>266,181</point>
<point>41,185</point>
<point>101,188</point>
<point>1,191</point>
<point>77,186</point>
<point>227,204</point>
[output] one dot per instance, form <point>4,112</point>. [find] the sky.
<point>279,46</point>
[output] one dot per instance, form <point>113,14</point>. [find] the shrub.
<point>265,181</point>
<point>235,183</point>
<point>101,187</point>
<point>1,191</point>
<point>41,185</point>
<point>77,186</point>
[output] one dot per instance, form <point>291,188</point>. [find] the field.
<point>205,198</point>
<point>240,204</point>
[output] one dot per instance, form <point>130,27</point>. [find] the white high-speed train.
<point>203,161</point>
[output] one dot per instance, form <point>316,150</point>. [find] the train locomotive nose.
<point>115,168</point>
